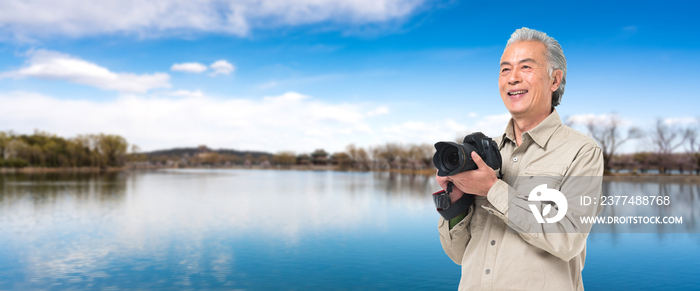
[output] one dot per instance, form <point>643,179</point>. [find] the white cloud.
<point>221,67</point>
<point>381,110</point>
<point>682,121</point>
<point>492,125</point>
<point>290,121</point>
<point>445,129</point>
<point>186,93</point>
<point>21,18</point>
<point>287,122</point>
<point>51,65</point>
<point>189,68</point>
<point>601,119</point>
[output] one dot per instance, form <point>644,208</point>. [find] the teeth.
<point>517,92</point>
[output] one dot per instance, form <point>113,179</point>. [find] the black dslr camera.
<point>452,158</point>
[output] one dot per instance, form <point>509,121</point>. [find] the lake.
<point>284,230</point>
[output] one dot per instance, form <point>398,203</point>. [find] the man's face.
<point>525,86</point>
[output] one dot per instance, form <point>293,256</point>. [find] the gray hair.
<point>555,56</point>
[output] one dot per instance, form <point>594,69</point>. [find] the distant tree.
<point>112,148</point>
<point>284,159</point>
<point>4,139</point>
<point>358,156</point>
<point>263,161</point>
<point>693,145</point>
<point>607,133</point>
<point>391,155</point>
<point>665,139</point>
<point>352,150</point>
<point>362,161</point>
<point>15,148</point>
<point>642,161</point>
<point>378,159</point>
<point>303,159</point>
<point>229,159</point>
<point>421,156</point>
<point>342,160</point>
<point>210,158</point>
<point>136,155</point>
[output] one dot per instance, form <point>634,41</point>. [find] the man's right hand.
<point>456,193</point>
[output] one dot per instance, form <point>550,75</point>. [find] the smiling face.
<point>525,86</point>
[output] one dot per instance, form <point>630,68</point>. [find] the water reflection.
<point>198,229</point>
<point>47,188</point>
<point>683,201</point>
<point>246,229</point>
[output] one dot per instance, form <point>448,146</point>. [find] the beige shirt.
<point>496,257</point>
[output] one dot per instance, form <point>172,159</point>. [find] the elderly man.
<point>498,251</point>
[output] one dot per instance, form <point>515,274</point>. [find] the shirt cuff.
<point>498,196</point>
<point>457,219</point>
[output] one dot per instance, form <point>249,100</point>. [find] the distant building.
<point>303,159</point>
<point>319,157</point>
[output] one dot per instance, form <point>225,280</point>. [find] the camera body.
<point>451,158</point>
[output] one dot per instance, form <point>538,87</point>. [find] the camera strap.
<point>444,206</point>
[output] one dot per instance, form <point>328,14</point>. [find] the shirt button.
<point>515,159</point>
<point>490,212</point>
<point>488,271</point>
<point>493,242</point>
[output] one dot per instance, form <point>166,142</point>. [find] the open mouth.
<point>517,93</point>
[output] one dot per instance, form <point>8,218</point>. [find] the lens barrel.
<point>451,158</point>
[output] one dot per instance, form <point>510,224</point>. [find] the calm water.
<point>279,230</point>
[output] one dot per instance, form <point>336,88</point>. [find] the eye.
<point>526,67</point>
<point>504,70</point>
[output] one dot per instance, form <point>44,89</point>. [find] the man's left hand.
<point>477,182</point>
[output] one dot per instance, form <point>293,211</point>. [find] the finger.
<point>479,162</point>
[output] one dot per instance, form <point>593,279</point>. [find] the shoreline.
<point>41,170</point>
<point>692,178</point>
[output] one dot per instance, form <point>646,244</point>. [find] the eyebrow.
<point>521,61</point>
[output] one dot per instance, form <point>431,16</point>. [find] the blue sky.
<point>300,75</point>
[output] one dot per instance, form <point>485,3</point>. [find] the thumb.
<point>479,162</point>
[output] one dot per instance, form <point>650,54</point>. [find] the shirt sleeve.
<point>565,238</point>
<point>454,241</point>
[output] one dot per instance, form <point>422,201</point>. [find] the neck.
<point>526,123</point>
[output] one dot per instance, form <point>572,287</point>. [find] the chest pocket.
<point>535,175</point>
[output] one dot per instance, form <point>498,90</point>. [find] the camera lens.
<point>450,158</point>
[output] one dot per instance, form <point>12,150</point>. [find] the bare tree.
<point>421,156</point>
<point>666,139</point>
<point>609,136</point>
<point>358,156</point>
<point>693,145</point>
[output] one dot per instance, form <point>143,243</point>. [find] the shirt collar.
<point>541,133</point>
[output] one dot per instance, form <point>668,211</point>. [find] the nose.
<point>514,77</point>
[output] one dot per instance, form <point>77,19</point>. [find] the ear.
<point>556,80</point>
